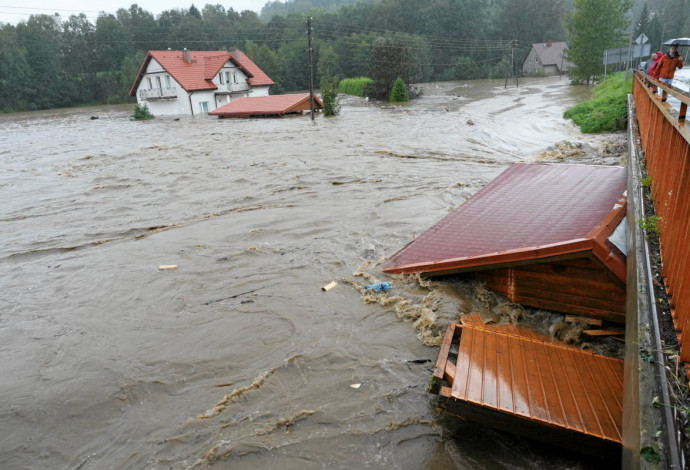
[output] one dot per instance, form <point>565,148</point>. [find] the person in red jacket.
<point>666,67</point>
<point>651,65</point>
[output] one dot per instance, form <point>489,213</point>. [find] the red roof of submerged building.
<point>524,382</point>
<point>274,105</point>
<point>529,212</point>
<point>197,71</point>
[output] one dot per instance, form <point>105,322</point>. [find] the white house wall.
<point>259,90</point>
<point>177,104</point>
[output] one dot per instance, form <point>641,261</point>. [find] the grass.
<point>650,224</point>
<point>608,110</point>
<point>354,86</point>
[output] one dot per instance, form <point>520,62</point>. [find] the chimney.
<point>186,56</point>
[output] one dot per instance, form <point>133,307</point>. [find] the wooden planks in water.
<point>580,286</point>
<point>520,381</point>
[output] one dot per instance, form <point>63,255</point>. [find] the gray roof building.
<point>547,58</point>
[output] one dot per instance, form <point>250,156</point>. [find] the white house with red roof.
<point>196,82</point>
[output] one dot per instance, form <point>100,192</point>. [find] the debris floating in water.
<point>379,287</point>
<point>355,385</point>
<point>329,286</point>
<point>167,267</point>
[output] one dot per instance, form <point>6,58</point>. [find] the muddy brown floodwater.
<point>237,358</point>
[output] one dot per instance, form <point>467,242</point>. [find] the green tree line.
<point>48,61</point>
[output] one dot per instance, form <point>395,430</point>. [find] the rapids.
<point>237,358</point>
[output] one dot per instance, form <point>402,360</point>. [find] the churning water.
<point>237,358</point>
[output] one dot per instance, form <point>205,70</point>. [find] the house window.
<point>227,77</point>
<point>168,81</point>
<point>220,76</point>
<point>158,82</point>
<point>234,77</point>
<point>203,107</point>
<point>148,79</point>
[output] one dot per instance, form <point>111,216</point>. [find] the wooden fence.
<point>666,145</point>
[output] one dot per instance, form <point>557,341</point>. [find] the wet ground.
<point>237,358</point>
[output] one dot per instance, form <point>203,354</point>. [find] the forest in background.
<point>49,61</point>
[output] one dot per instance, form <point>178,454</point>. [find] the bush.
<point>329,94</point>
<point>354,86</point>
<point>399,92</point>
<point>377,90</point>
<point>142,113</point>
<point>608,110</point>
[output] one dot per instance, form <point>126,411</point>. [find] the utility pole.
<point>311,74</point>
<point>513,45</point>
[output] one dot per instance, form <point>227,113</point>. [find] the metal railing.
<point>233,87</point>
<point>158,93</point>
<point>666,143</point>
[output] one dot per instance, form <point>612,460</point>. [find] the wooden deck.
<point>514,379</point>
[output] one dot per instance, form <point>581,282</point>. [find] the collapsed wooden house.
<point>546,236</point>
<point>540,234</point>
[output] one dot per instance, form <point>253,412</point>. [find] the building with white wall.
<point>196,82</point>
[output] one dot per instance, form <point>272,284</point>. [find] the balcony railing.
<point>233,87</point>
<point>158,94</point>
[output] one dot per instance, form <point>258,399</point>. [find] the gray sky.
<point>14,11</point>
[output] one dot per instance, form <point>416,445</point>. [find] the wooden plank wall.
<point>582,286</point>
<point>666,144</point>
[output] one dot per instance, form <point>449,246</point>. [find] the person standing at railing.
<point>651,65</point>
<point>666,67</point>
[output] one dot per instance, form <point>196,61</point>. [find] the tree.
<point>642,24</point>
<point>40,38</point>
<point>399,93</point>
<point>595,25</point>
<point>327,66</point>
<point>531,21</point>
<point>14,70</point>
<point>329,94</point>
<point>112,43</point>
<point>391,58</point>
<point>263,57</point>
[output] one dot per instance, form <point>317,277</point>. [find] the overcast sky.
<point>14,11</point>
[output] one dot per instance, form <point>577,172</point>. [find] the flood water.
<point>237,358</point>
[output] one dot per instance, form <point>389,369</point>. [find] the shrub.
<point>608,110</point>
<point>377,90</point>
<point>354,86</point>
<point>399,92</point>
<point>141,113</point>
<point>329,94</point>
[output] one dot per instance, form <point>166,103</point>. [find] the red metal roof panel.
<point>515,371</point>
<point>264,105</point>
<point>529,211</point>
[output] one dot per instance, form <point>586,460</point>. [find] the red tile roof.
<point>530,211</point>
<point>275,105</point>
<point>197,74</point>
<point>257,76</point>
